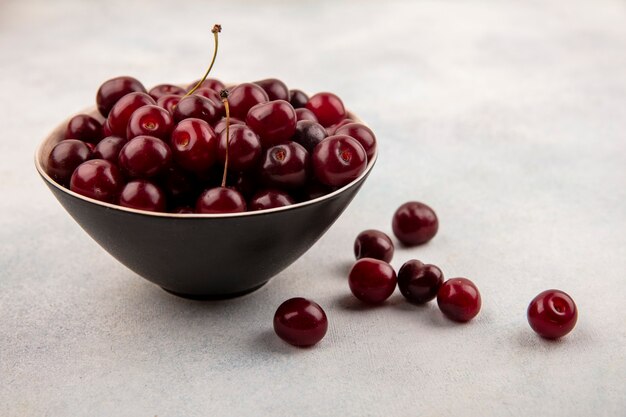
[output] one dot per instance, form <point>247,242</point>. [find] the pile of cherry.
<point>302,322</point>
<point>205,149</point>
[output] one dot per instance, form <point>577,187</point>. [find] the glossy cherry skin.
<point>221,124</point>
<point>169,102</point>
<point>65,157</point>
<point>196,107</point>
<point>214,96</point>
<point>459,299</point>
<point>327,107</point>
<point>106,130</point>
<point>220,200</point>
<point>333,129</point>
<point>338,160</point>
<point>85,128</point>
<point>373,244</point>
<point>243,97</point>
<point>418,282</point>
<point>286,166</point>
<point>275,89</point>
<point>308,134</point>
<point>123,109</point>
<point>211,83</point>
<point>142,195</point>
<point>194,145</point>
<point>274,122</point>
<point>363,134</point>
<point>298,98</point>
<point>114,89</point>
<point>97,179</point>
<point>414,223</point>
<point>150,120</point>
<point>267,199</point>
<point>372,280</point>
<point>305,114</point>
<point>109,148</point>
<point>161,90</point>
<point>552,314</point>
<point>300,322</point>
<point>244,148</point>
<point>144,157</point>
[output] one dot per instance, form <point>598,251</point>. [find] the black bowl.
<point>202,256</point>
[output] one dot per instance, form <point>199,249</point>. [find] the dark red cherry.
<point>297,98</point>
<point>274,122</point>
<point>267,199</point>
<point>150,120</point>
<point>415,223</point>
<point>300,322</point>
<point>194,145</point>
<point>244,148</point>
<point>220,200</point>
<point>196,107</point>
<point>373,244</point>
<point>338,160</point>
<point>161,90</point>
<point>211,83</point>
<point>552,314</point>
<point>221,125</point>
<point>305,114</point>
<point>275,89</point>
<point>363,134</point>
<point>144,157</point>
<point>114,89</point>
<point>142,195</point>
<point>459,299</point>
<point>106,130</point>
<point>243,97</point>
<point>169,102</point>
<point>109,148</point>
<point>65,157</point>
<point>286,165</point>
<point>85,128</point>
<point>327,107</point>
<point>97,179</point>
<point>372,280</point>
<point>123,109</point>
<point>419,282</point>
<point>214,96</point>
<point>333,129</point>
<point>308,134</point>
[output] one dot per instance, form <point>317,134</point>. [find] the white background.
<point>508,118</point>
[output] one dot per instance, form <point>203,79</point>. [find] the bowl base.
<point>214,297</point>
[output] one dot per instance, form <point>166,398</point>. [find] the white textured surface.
<point>509,118</point>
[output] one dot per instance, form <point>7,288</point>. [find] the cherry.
<point>142,195</point>
<point>114,89</point>
<point>211,83</point>
<point>85,128</point>
<point>274,122</point>
<point>220,200</point>
<point>286,165</point>
<point>65,157</point>
<point>362,133</point>
<point>327,107</point>
<point>165,89</point>
<point>150,120</point>
<point>106,130</point>
<point>372,280</point>
<point>333,129</point>
<point>244,148</point>
<point>109,148</point>
<point>221,125</point>
<point>552,314</point>
<point>305,114</point>
<point>373,244</point>
<point>123,109</point>
<point>339,160</point>
<point>212,95</point>
<point>300,322</point>
<point>243,97</point>
<point>275,89</point>
<point>415,223</point>
<point>194,145</point>
<point>297,98</point>
<point>144,157</point>
<point>459,299</point>
<point>97,179</point>
<point>308,134</point>
<point>196,107</point>
<point>419,282</point>
<point>169,102</point>
<point>267,199</point>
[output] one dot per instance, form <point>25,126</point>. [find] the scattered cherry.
<point>415,223</point>
<point>552,314</point>
<point>362,133</point>
<point>267,199</point>
<point>97,179</point>
<point>373,244</point>
<point>308,134</point>
<point>65,157</point>
<point>327,107</point>
<point>419,282</point>
<point>274,122</point>
<point>300,322</point>
<point>339,160</point>
<point>298,98</point>
<point>142,195</point>
<point>109,148</point>
<point>275,89</point>
<point>220,200</point>
<point>84,127</point>
<point>244,148</point>
<point>150,120</point>
<point>144,157</point>
<point>123,109</point>
<point>114,89</point>
<point>286,165</point>
<point>243,97</point>
<point>372,280</point>
<point>161,90</point>
<point>459,299</point>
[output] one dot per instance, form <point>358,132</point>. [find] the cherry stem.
<point>216,29</point>
<point>224,96</point>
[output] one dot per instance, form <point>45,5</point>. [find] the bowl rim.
<point>90,111</point>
